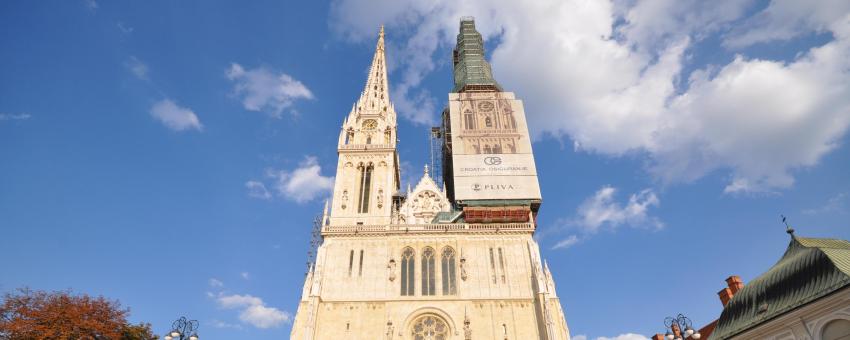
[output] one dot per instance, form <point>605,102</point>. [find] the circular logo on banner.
<point>493,160</point>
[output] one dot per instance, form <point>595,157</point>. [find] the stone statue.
<point>467,332</point>
<point>389,330</point>
<point>381,198</point>
<point>463,269</point>
<point>391,268</point>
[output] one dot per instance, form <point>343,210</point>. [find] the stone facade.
<point>389,268</point>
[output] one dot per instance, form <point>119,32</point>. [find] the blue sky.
<point>172,154</point>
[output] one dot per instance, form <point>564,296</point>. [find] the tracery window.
<point>430,327</point>
<point>365,186</point>
<point>448,270</point>
<point>428,277</point>
<point>407,275</point>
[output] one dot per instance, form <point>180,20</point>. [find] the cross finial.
<point>788,228</point>
<point>382,31</point>
<point>426,169</point>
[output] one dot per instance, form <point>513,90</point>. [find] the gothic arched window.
<point>387,136</point>
<point>487,148</point>
<point>365,186</point>
<point>497,148</point>
<point>448,270</point>
<point>428,277</point>
<point>407,277</point>
<point>469,122</point>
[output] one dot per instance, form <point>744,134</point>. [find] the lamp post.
<point>675,327</point>
<point>183,329</point>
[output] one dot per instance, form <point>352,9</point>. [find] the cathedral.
<point>452,257</point>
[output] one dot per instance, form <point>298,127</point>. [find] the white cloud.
<point>602,210</point>
<point>245,275</point>
<point>238,301</point>
<point>15,116</point>
<point>627,336</point>
<point>257,189</point>
<point>264,317</point>
<point>222,324</point>
<point>91,4</point>
<point>303,184</point>
<point>567,242</point>
<point>137,67</point>
<point>836,203</point>
<point>605,74</point>
<point>216,283</point>
<point>254,311</point>
<point>124,28</point>
<point>261,89</point>
<point>175,117</point>
<point>787,19</point>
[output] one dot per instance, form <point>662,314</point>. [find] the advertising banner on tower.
<point>491,148</point>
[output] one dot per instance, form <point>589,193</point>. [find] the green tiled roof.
<point>810,269</point>
<point>447,217</point>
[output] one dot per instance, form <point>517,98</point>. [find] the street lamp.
<point>182,328</point>
<point>675,326</point>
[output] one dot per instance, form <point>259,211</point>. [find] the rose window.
<point>430,327</point>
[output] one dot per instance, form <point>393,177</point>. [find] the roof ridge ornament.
<point>788,228</point>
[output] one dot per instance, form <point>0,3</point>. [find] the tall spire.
<point>375,97</point>
<point>471,71</point>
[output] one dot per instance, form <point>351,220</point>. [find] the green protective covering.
<point>810,269</point>
<point>471,70</point>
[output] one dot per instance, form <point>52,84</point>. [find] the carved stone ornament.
<point>344,198</point>
<point>380,198</point>
<point>390,329</point>
<point>467,331</point>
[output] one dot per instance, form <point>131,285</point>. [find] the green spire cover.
<point>471,71</point>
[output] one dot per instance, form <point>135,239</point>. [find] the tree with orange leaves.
<point>30,315</point>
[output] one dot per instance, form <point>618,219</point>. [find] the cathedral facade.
<point>456,261</point>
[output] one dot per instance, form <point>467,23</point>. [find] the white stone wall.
<point>359,306</point>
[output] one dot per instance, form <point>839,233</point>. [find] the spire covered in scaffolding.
<point>472,72</point>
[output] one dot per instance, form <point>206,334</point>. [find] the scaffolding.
<point>435,140</point>
<point>315,239</point>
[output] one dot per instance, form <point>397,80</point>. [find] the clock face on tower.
<point>485,106</point>
<point>370,124</point>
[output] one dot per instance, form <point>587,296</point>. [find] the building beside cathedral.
<point>452,261</point>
